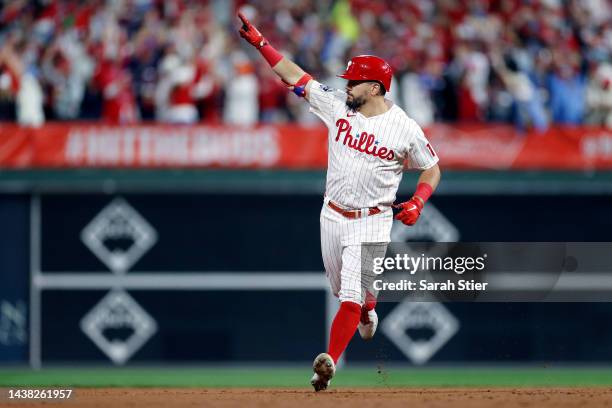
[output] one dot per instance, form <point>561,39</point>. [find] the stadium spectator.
<point>115,84</point>
<point>112,59</point>
<point>599,96</point>
<point>272,95</point>
<point>567,89</point>
<point>175,101</point>
<point>66,69</point>
<point>528,108</point>
<point>20,91</point>
<point>242,93</point>
<point>417,101</point>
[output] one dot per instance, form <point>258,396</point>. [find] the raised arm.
<point>292,75</point>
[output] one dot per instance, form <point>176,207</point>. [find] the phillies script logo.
<point>365,143</point>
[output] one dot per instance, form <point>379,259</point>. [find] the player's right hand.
<point>410,211</point>
<point>250,33</point>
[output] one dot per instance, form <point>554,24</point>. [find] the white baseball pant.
<point>348,247</point>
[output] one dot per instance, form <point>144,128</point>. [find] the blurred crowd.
<point>529,62</point>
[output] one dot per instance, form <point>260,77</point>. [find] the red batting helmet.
<point>368,68</point>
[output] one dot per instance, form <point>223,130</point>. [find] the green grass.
<point>293,377</point>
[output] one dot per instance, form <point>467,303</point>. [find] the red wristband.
<point>300,86</point>
<point>270,54</point>
<point>423,191</point>
<point>303,81</point>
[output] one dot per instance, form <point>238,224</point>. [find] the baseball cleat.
<point>368,324</point>
<point>324,369</point>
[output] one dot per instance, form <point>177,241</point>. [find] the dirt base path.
<point>335,398</point>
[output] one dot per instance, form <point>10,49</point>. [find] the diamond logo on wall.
<point>118,326</point>
<point>430,317</point>
<point>119,236</point>
<point>433,226</point>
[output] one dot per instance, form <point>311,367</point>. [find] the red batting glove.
<point>250,33</point>
<point>410,211</point>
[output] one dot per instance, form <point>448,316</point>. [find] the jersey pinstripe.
<point>367,156</point>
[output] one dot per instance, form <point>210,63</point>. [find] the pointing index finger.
<point>244,20</point>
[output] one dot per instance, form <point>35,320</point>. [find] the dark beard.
<point>355,104</point>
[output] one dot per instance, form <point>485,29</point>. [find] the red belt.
<point>352,213</point>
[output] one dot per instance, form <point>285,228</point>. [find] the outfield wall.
<point>485,146</point>
<point>202,276</point>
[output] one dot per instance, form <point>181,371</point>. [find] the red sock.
<point>369,304</point>
<point>343,328</point>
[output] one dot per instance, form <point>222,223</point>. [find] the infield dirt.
<point>334,398</point>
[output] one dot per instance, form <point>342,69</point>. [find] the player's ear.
<point>375,90</point>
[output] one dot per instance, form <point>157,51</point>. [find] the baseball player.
<point>371,141</point>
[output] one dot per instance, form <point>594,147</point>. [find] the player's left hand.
<point>250,33</point>
<point>410,211</point>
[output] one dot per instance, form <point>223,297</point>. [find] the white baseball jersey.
<point>367,154</point>
<point>365,165</point>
